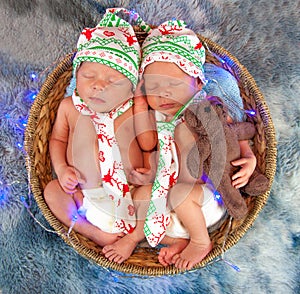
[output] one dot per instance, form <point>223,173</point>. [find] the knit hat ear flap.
<point>113,43</point>
<point>173,42</point>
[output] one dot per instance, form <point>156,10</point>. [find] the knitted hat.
<point>222,84</point>
<point>113,43</point>
<point>173,42</point>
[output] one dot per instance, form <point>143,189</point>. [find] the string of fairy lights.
<point>13,125</point>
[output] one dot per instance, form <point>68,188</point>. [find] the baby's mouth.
<point>166,105</point>
<point>97,100</point>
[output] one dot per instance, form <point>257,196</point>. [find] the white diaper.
<point>99,209</point>
<point>212,211</point>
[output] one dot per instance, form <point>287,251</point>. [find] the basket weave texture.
<point>144,260</point>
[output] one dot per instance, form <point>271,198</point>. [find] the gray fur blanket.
<point>263,34</point>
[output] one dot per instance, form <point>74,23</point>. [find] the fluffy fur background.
<point>263,34</point>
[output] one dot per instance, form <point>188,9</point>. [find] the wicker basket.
<point>144,260</point>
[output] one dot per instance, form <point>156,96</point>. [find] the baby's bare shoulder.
<point>66,113</point>
<point>67,108</point>
<point>66,103</point>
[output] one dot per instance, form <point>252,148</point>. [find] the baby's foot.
<point>166,253</point>
<point>120,250</point>
<point>191,255</point>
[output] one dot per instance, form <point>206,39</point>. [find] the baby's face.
<point>168,88</point>
<point>101,87</point>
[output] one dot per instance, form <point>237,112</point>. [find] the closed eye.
<point>176,84</point>
<point>88,76</point>
<point>118,83</point>
<point>151,86</point>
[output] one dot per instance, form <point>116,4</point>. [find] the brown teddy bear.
<point>216,147</point>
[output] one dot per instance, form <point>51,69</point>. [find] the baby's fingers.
<point>240,179</point>
<point>239,183</point>
<point>75,179</point>
<point>143,170</point>
<point>240,174</point>
<point>72,180</point>
<point>239,162</point>
<point>134,179</point>
<point>69,189</point>
<point>81,181</point>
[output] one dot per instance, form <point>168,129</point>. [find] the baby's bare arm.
<point>146,174</point>
<point>59,139</point>
<point>247,162</point>
<point>58,144</point>
<point>144,122</point>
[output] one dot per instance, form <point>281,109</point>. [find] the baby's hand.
<point>141,176</point>
<point>69,179</point>
<point>247,165</point>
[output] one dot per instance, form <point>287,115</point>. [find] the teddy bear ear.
<point>207,109</point>
<point>215,100</point>
<point>218,105</point>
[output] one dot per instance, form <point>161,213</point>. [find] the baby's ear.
<point>199,83</point>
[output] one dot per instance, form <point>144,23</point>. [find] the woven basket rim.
<point>232,237</point>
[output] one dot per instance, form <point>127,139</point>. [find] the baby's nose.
<point>99,85</point>
<point>165,92</point>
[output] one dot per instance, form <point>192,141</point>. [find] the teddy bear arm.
<point>258,184</point>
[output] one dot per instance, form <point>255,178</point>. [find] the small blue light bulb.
<point>133,15</point>
<point>20,145</point>
<point>250,112</point>
<point>221,60</point>
<point>32,95</point>
<point>218,198</point>
<point>23,122</point>
<point>33,76</point>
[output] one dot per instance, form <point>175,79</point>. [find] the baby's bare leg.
<point>188,210</point>
<point>64,206</point>
<point>123,248</point>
